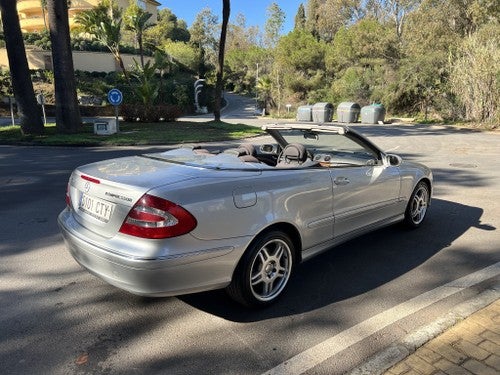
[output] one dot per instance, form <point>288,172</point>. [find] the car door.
<point>363,196</point>
<point>366,187</point>
<point>302,196</point>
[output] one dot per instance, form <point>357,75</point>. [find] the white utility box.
<point>105,127</point>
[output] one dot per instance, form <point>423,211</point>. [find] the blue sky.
<point>254,10</point>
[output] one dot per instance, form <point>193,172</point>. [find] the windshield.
<point>310,147</point>
<point>325,142</point>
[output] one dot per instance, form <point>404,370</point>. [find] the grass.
<point>133,134</point>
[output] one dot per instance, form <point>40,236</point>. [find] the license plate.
<point>97,208</point>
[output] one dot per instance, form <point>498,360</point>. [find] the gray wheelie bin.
<point>322,112</point>
<point>348,112</point>
<point>304,113</point>
<point>372,114</point>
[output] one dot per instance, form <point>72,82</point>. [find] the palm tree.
<point>29,112</point>
<point>104,22</point>
<point>68,118</point>
<point>265,89</point>
<point>43,3</point>
<point>220,66</point>
<point>136,20</point>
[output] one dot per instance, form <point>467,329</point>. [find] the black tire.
<point>264,270</point>
<point>416,209</point>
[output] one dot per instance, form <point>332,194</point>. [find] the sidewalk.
<point>465,341</point>
<point>470,347</point>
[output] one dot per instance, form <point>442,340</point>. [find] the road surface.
<point>340,308</point>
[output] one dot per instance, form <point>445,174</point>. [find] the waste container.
<point>322,112</point>
<point>348,112</point>
<point>372,114</point>
<point>304,113</point>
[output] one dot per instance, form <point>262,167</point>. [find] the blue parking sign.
<point>115,97</point>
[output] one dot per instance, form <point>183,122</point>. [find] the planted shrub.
<point>150,113</point>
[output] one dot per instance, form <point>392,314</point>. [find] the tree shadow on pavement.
<point>397,130</point>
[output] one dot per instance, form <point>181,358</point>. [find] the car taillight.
<point>154,217</point>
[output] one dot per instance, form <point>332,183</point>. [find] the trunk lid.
<point>102,194</point>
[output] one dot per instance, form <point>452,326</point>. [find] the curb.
<point>398,351</point>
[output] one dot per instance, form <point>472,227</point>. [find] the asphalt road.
<point>346,304</point>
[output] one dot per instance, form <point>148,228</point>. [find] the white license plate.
<point>95,207</point>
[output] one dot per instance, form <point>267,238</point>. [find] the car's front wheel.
<point>264,270</point>
<point>416,209</point>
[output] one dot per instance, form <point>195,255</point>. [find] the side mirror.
<point>394,160</point>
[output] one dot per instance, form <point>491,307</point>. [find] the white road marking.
<point>319,353</point>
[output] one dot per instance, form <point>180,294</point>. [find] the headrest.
<point>249,148</point>
<point>295,152</point>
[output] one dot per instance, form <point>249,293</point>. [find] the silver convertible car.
<point>190,219</point>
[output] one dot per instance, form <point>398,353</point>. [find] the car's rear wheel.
<point>263,271</point>
<point>416,209</point>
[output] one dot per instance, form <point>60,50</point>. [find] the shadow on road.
<point>347,272</point>
<point>358,266</point>
<point>399,130</point>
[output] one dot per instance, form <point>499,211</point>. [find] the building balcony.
<point>32,24</point>
<point>29,6</point>
<point>79,5</point>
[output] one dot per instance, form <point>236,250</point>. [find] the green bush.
<point>150,113</point>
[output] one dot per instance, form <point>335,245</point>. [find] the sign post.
<point>115,98</point>
<point>11,103</point>
<point>41,100</point>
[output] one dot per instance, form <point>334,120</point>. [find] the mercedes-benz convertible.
<point>193,219</point>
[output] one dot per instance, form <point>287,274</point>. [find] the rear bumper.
<point>206,268</point>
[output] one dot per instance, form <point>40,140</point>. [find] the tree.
<point>423,70</point>
<point>220,66</point>
<point>182,53</point>
<point>147,88</point>
<point>243,66</point>
<point>68,118</point>
<point>104,22</point>
<point>167,29</point>
<point>298,65</point>
<point>300,51</point>
<point>242,56</point>
<point>136,20</point>
<point>475,74</point>
<point>364,43</point>
<point>265,89</point>
<point>399,10</point>
<point>300,18</point>
<point>312,15</point>
<point>43,3</point>
<point>334,14</point>
<point>29,111</point>
<point>204,38</point>
<point>395,10</point>
<point>351,84</point>
<point>274,25</point>
<point>239,36</point>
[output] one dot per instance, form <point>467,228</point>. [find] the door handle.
<point>341,181</point>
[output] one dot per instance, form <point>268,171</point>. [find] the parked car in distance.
<point>190,220</point>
